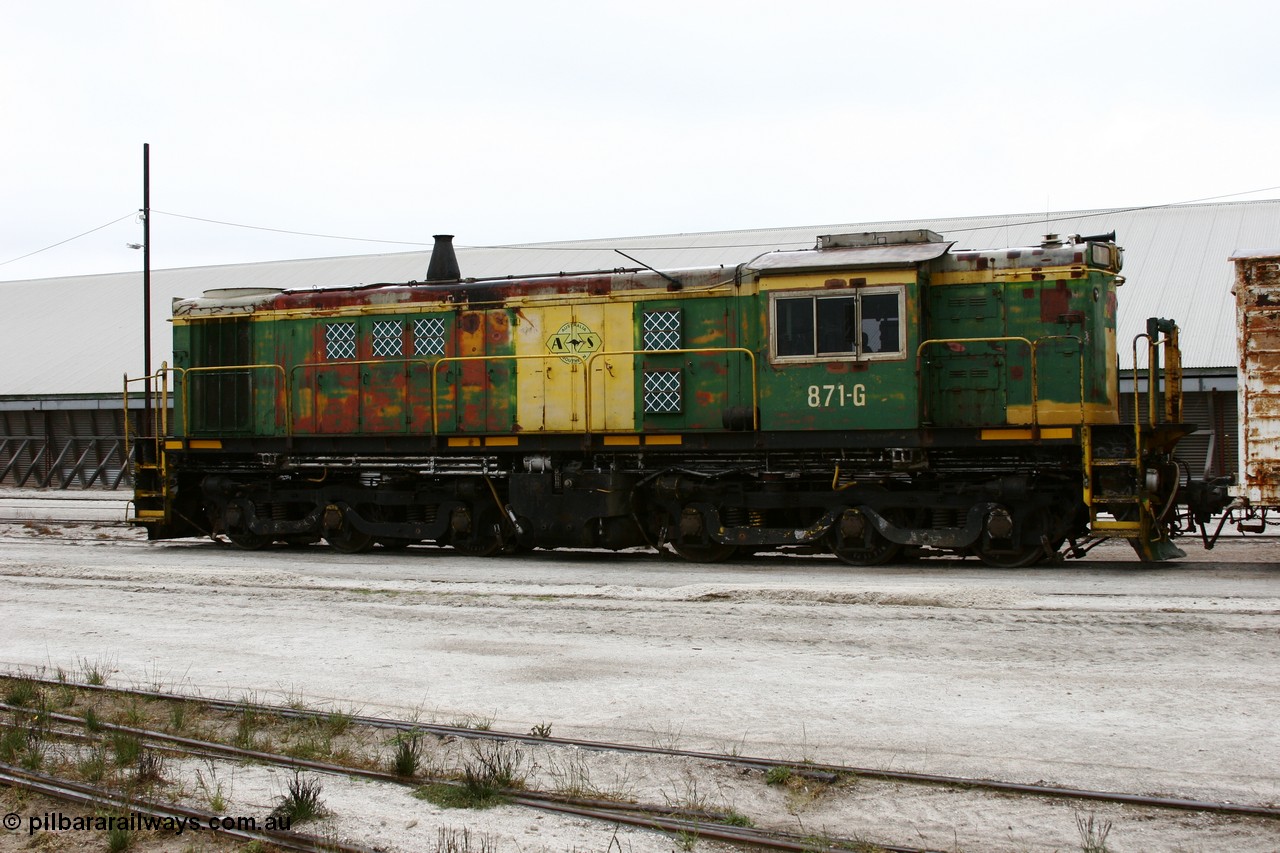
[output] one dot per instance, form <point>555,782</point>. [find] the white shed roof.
<point>81,334</point>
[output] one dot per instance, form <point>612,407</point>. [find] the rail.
<point>291,380</point>
<point>751,358</point>
<point>291,386</point>
<point>457,359</point>
<point>1032,346</point>
<point>155,408</point>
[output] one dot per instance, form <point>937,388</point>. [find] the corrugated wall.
<point>63,449</point>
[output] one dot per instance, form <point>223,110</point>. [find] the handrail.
<point>1035,382</point>
<point>1035,374</point>
<point>186,389</point>
<point>1016,338</point>
<point>290,385</point>
<point>435,373</point>
<point>158,400</point>
<point>291,381</point>
<point>750,354</point>
<point>1154,377</point>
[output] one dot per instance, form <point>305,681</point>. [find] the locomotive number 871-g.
<point>879,395</point>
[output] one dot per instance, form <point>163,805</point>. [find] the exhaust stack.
<point>444,263</point>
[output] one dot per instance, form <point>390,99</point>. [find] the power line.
<point>287,231</point>
<point>68,240</point>
<point>1029,220</point>
<point>1109,212</point>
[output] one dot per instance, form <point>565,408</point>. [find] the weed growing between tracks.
<point>301,802</point>
<point>492,769</point>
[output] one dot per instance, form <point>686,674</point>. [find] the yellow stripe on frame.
<point>1006,435</point>
<point>664,439</point>
<point>464,442</point>
<point>173,445</point>
<point>1025,434</point>
<point>205,444</point>
<point>501,441</point>
<point>621,440</point>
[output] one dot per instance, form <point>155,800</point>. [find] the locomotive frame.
<point>879,395</point>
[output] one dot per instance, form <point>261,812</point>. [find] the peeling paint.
<point>1257,291</point>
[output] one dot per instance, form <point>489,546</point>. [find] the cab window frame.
<point>817,330</point>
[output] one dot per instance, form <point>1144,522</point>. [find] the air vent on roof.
<point>877,238</point>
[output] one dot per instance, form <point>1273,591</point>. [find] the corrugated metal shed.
<point>79,335</point>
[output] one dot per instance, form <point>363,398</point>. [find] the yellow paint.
<point>621,441</point>
<point>818,281</point>
<point>551,390</point>
<point>464,442</point>
<point>501,441</point>
<point>173,445</point>
<point>664,439</point>
<point>1025,434</point>
<point>1022,274</point>
<point>205,444</point>
<point>1006,435</point>
<point>1050,412</point>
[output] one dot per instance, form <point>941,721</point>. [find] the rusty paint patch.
<point>1257,290</point>
<point>1054,302</point>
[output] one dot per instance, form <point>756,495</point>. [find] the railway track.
<point>700,823</point>
<point>674,821</point>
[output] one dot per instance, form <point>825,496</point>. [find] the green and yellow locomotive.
<point>878,395</point>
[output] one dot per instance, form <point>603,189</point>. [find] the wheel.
<point>344,537</point>
<point>1027,551</point>
<point>349,540</point>
<point>484,539</point>
<point>711,552</point>
<point>247,541</point>
<point>871,548</point>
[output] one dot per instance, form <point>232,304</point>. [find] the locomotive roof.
<point>80,334</point>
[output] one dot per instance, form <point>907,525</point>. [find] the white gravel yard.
<point>1101,674</point>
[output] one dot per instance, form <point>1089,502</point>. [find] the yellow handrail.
<point>435,374</point>
<point>290,385</point>
<point>1035,381</point>
<point>1016,338</point>
<point>750,354</point>
<point>186,389</point>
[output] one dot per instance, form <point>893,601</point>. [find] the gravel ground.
<point>1102,674</point>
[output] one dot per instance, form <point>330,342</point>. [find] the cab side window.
<point>821,327</point>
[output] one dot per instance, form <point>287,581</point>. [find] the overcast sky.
<point>505,122</point>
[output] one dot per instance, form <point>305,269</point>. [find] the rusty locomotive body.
<point>876,395</point>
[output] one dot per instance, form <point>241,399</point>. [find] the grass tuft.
<point>1093,833</point>
<point>492,769</point>
<point>450,840</point>
<point>301,802</point>
<point>408,754</point>
<point>23,692</point>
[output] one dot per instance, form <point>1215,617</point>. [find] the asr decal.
<point>573,339</point>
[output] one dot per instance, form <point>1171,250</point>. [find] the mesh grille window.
<point>388,338</point>
<point>428,336</point>
<point>663,392</point>
<point>340,340</point>
<point>661,330</point>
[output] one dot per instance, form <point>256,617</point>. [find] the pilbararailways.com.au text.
<point>135,822</point>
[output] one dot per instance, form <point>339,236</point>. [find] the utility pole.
<point>146,258</point>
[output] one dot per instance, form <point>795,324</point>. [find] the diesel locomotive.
<point>878,396</point>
